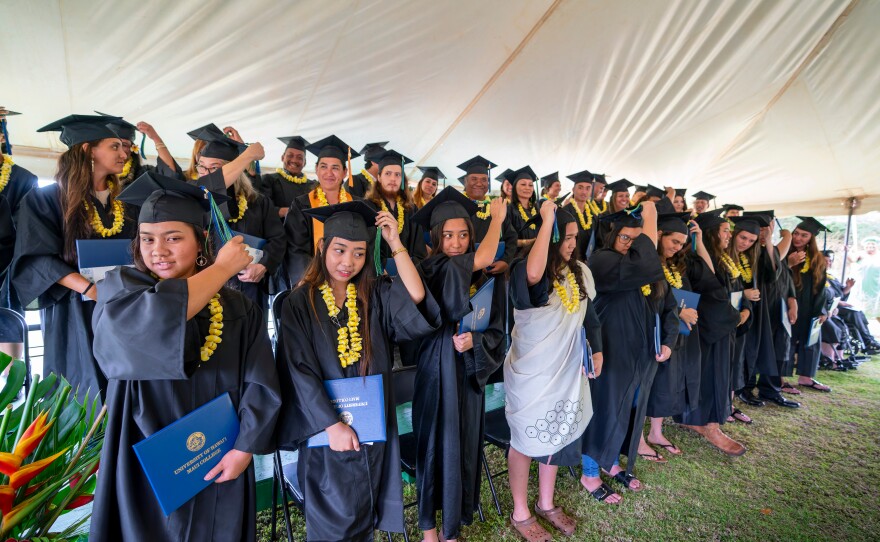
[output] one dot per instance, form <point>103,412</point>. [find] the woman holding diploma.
<point>548,402</point>
<point>339,323</point>
<point>453,367</point>
<point>179,339</point>
<point>83,204</point>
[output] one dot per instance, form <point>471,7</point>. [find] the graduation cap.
<point>371,149</point>
<point>390,158</point>
<point>582,177</point>
<point>703,196</point>
<point>76,129</point>
<point>769,214</point>
<point>732,207</point>
<point>332,147</point>
<point>641,188</point>
<point>477,164</point>
<point>431,172</point>
<point>751,223</point>
<point>166,199</point>
<point>681,191</point>
<point>599,178</point>
<point>548,180</point>
<point>294,142</point>
<point>631,217</point>
<point>620,186</point>
<point>448,204</point>
<point>505,175</point>
<point>654,192</point>
<point>217,144</point>
<point>710,219</point>
<point>3,114</point>
<point>563,219</point>
<point>525,172</point>
<point>352,220</point>
<point>125,129</point>
<point>811,225</point>
<point>673,222</point>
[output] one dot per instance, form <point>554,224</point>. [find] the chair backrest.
<point>277,303</point>
<point>12,326</point>
<point>403,380</point>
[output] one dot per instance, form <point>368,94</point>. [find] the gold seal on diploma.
<point>195,442</point>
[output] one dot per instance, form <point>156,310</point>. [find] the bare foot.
<point>634,485</point>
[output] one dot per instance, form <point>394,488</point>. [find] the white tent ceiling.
<point>765,103</point>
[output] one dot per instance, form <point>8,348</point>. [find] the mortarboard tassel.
<point>377,258</point>
<point>825,241</point>
<point>554,238</point>
<point>350,177</point>
<point>6,136</point>
<point>257,167</point>
<point>143,145</point>
<point>223,231</point>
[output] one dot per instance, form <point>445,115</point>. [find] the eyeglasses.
<point>625,239</point>
<point>205,169</point>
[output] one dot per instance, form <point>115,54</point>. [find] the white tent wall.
<point>765,103</point>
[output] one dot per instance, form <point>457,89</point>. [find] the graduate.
<point>453,367</point>
<point>388,193</point>
<point>476,188</point>
<point>523,206</point>
<point>628,300</point>
<point>358,185</point>
<point>732,210</point>
<point>551,187</point>
<point>808,269</point>
<point>288,182</point>
<point>427,186</point>
<point>340,322</point>
<point>127,131</point>
<point>579,206</point>
<point>83,204</point>
<point>302,232</point>
<point>506,188</point>
<point>701,202</point>
<point>679,204</point>
<point>597,203</point>
<point>177,339</point>
<point>718,323</point>
<point>548,403</point>
<point>619,201</point>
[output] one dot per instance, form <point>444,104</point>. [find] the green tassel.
<point>377,245</point>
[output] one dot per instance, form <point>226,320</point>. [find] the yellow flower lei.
<point>806,268</point>
<point>522,213</point>
<point>215,330</point>
<point>646,290</point>
<point>242,207</point>
<point>126,169</point>
<point>349,342</point>
<point>572,303</point>
<point>585,223</point>
<point>473,290</point>
<point>732,269</point>
<point>485,211</point>
<point>744,268</point>
<point>5,171</point>
<point>194,176</point>
<point>399,212</point>
<point>673,277</point>
<point>367,176</point>
<point>322,197</point>
<point>595,207</point>
<point>118,218</point>
<point>288,177</point>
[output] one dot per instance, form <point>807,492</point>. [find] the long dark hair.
<point>317,273</point>
<point>712,242</point>
<point>437,236</point>
<point>74,178</point>
<point>201,235</point>
<point>555,265</point>
<point>751,254</point>
<point>678,262</point>
<point>818,265</point>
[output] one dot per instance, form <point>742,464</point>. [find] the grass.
<point>809,474</point>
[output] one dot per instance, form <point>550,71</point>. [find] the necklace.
<point>215,329</point>
<point>485,211</point>
<point>595,207</point>
<point>242,207</point>
<point>5,171</point>
<point>587,222</point>
<point>126,169</point>
<point>322,197</point>
<point>570,303</point>
<point>673,277</point>
<point>348,341</point>
<point>367,176</point>
<point>118,213</point>
<point>646,290</point>
<point>399,212</point>
<point>288,177</point>
<point>732,269</point>
<point>522,213</point>
<point>744,268</point>
<point>806,268</point>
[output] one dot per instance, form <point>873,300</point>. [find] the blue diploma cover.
<point>481,310</point>
<point>657,344</point>
<point>360,404</point>
<point>685,300</point>
<point>815,331</point>
<point>96,257</point>
<point>254,245</point>
<point>177,457</point>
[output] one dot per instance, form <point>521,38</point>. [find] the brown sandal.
<point>559,519</point>
<point>531,530</point>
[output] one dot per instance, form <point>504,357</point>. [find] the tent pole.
<point>852,203</point>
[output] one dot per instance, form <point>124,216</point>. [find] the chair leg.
<point>480,511</point>
<point>405,532</point>
<point>284,504</point>
<point>274,498</point>
<point>388,535</point>
<point>572,472</point>
<point>491,483</point>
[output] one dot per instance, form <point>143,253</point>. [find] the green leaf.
<point>5,359</point>
<point>14,382</point>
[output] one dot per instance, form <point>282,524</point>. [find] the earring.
<point>93,165</point>
<point>201,261</point>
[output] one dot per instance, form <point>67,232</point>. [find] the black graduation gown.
<point>738,363</point>
<point>517,222</point>
<point>811,304</point>
<point>760,355</point>
<point>34,273</point>
<point>628,321</point>
<point>508,234</point>
<point>151,356</point>
<point>412,236</point>
<point>360,185</point>
<point>21,181</point>
<point>343,499</point>
<point>449,404</point>
<point>717,325</point>
<point>584,235</point>
<point>602,228</point>
<point>282,192</point>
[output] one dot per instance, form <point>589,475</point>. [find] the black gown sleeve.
<point>615,272</point>
<point>449,280</point>
<point>484,359</point>
<point>273,233</point>
<point>176,172</point>
<point>402,319</point>
<point>508,235</point>
<point>669,321</point>
<point>7,235</point>
<point>594,327</point>
<point>300,247</point>
<point>522,295</point>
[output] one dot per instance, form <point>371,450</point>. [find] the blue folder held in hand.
<point>360,404</point>
<point>481,310</point>
<point>177,457</point>
<point>657,344</point>
<point>588,354</point>
<point>815,331</point>
<point>685,300</point>
<point>96,257</point>
<point>254,245</point>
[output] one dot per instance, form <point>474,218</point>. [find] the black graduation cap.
<point>7,113</point>
<point>390,158</point>
<point>620,186</point>
<point>477,164</point>
<point>332,147</point>
<point>204,132</point>
<point>548,180</point>
<point>352,220</point>
<point>751,223</point>
<point>732,206</point>
<point>631,217</point>
<point>166,199</point>
<point>525,172</point>
<point>294,142</point>
<point>654,192</point>
<point>641,188</point>
<point>563,218</point>
<point>505,175</point>
<point>673,222</point>
<point>218,145</point>
<point>371,149</point>
<point>431,172</point>
<point>448,204</point>
<point>7,145</point>
<point>704,196</point>
<point>681,191</point>
<point>599,178</point>
<point>810,224</point>
<point>125,129</point>
<point>710,219</point>
<point>582,177</point>
<point>76,129</point>
<point>769,214</point>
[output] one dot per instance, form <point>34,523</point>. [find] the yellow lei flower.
<point>485,211</point>
<point>732,269</point>
<point>673,277</point>
<point>595,207</point>
<point>744,268</point>
<point>349,342</point>
<point>399,212</point>
<point>215,330</point>
<point>806,268</point>
<point>646,290</point>
<point>586,223</point>
<point>288,177</point>
<point>322,197</point>
<point>572,303</point>
<point>242,207</point>
<point>473,290</point>
<point>522,213</point>
<point>5,171</point>
<point>367,176</point>
<point>126,169</point>
<point>118,213</point>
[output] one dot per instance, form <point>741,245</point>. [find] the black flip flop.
<point>626,480</point>
<point>741,413</point>
<point>815,386</point>
<point>602,492</point>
